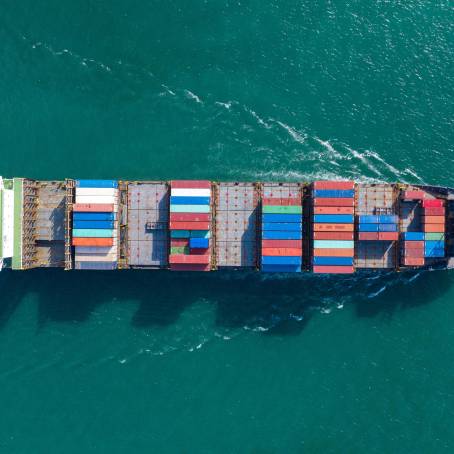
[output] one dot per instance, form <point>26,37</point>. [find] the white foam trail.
<point>364,160</point>
<point>373,295</point>
<point>387,165</point>
<point>193,96</point>
<point>227,105</point>
<point>414,174</point>
<point>260,121</point>
<point>294,134</point>
<point>327,145</point>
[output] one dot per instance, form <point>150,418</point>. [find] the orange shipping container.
<point>433,219</point>
<point>289,252</point>
<point>434,228</point>
<point>334,202</point>
<point>333,227</point>
<point>189,225</point>
<point>334,210</point>
<point>334,252</point>
<point>412,261</point>
<point>93,241</point>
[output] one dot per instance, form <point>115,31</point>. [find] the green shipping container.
<point>190,208</point>
<point>434,236</point>
<point>93,233</point>
<point>190,234</point>
<point>179,250</point>
<point>278,209</point>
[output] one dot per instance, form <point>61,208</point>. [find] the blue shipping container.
<point>368,219</point>
<point>387,227</point>
<point>277,235</point>
<point>93,224</point>
<point>96,184</point>
<point>414,236</point>
<point>93,216</point>
<point>334,193</point>
<point>368,227</point>
<point>183,200</point>
<point>281,268</point>
<point>433,244</point>
<point>339,261</point>
<point>434,253</point>
<point>270,217</point>
<point>281,260</point>
<point>283,226</point>
<point>387,219</point>
<point>199,243</point>
<point>334,218</point>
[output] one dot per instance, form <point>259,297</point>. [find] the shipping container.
<point>334,210</point>
<point>200,234</point>
<point>341,185</point>
<point>178,242</point>
<point>387,227</point>
<point>95,250</point>
<point>334,218</point>
<point>434,253</point>
<point>368,219</point>
<point>434,236</point>
<point>388,236</point>
<point>337,261</point>
<point>187,267</point>
<point>414,195</point>
<point>96,184</point>
<point>278,209</point>
<point>333,269</point>
<point>195,192</point>
<point>433,228</point>
<point>190,259</point>
<point>93,241</point>
<point>282,226</point>
<point>199,243</point>
<point>334,193</point>
<point>333,236</point>
<point>93,207</point>
<point>435,211</point>
<point>182,200</point>
<point>368,236</point>
<point>281,201</point>
<point>94,216</point>
<point>281,268</point>
<point>281,260</point>
<point>290,252</point>
<point>281,244</point>
<point>334,202</point>
<point>189,225</point>
<point>93,224</point>
<point>190,184</point>
<point>112,192</point>
<point>190,208</point>
<point>414,261</point>
<point>433,219</point>
<point>95,266</point>
<point>179,250</point>
<point>368,227</point>
<point>112,257</point>
<point>278,235</point>
<point>433,203</point>
<point>413,236</point>
<point>414,245</point>
<point>388,219</point>
<point>104,199</point>
<point>94,233</point>
<point>414,253</point>
<point>334,252</point>
<point>190,217</point>
<point>282,218</point>
<point>430,244</point>
<point>333,227</point>
<point>338,244</point>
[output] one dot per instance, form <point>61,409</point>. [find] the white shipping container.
<point>96,199</point>
<point>190,192</point>
<point>97,191</point>
<point>96,249</point>
<point>96,258</point>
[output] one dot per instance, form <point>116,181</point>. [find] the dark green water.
<point>231,363</point>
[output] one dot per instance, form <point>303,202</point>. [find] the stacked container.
<point>413,248</point>
<point>381,227</point>
<point>333,226</point>
<point>282,245</point>
<point>95,224</point>
<point>433,221</point>
<point>190,225</point>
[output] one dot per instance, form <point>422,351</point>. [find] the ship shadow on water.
<point>271,304</point>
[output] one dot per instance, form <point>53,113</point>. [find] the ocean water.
<point>153,362</point>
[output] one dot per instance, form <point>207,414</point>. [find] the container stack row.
<point>433,220</point>
<point>382,227</point>
<point>190,225</point>
<point>413,248</point>
<point>94,233</point>
<point>282,233</point>
<point>333,226</point>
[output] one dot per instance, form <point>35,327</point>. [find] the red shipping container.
<point>388,236</point>
<point>191,184</point>
<point>185,267</point>
<point>434,228</point>
<point>334,210</point>
<point>334,202</point>
<point>92,241</point>
<point>189,259</point>
<point>281,243</point>
<point>433,219</point>
<point>343,185</point>
<point>433,203</point>
<point>435,211</point>
<point>368,236</point>
<point>411,261</point>
<point>189,225</point>
<point>179,242</point>
<point>415,253</point>
<point>290,252</point>
<point>282,201</point>
<point>93,207</point>
<point>334,252</point>
<point>349,236</point>
<point>414,245</point>
<point>334,269</point>
<point>190,217</point>
<point>199,251</point>
<point>414,195</point>
<point>333,227</point>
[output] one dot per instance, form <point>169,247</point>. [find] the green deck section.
<point>18,209</point>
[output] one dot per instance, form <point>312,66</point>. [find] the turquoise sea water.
<point>227,362</point>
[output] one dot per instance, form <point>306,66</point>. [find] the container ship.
<point>323,227</point>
